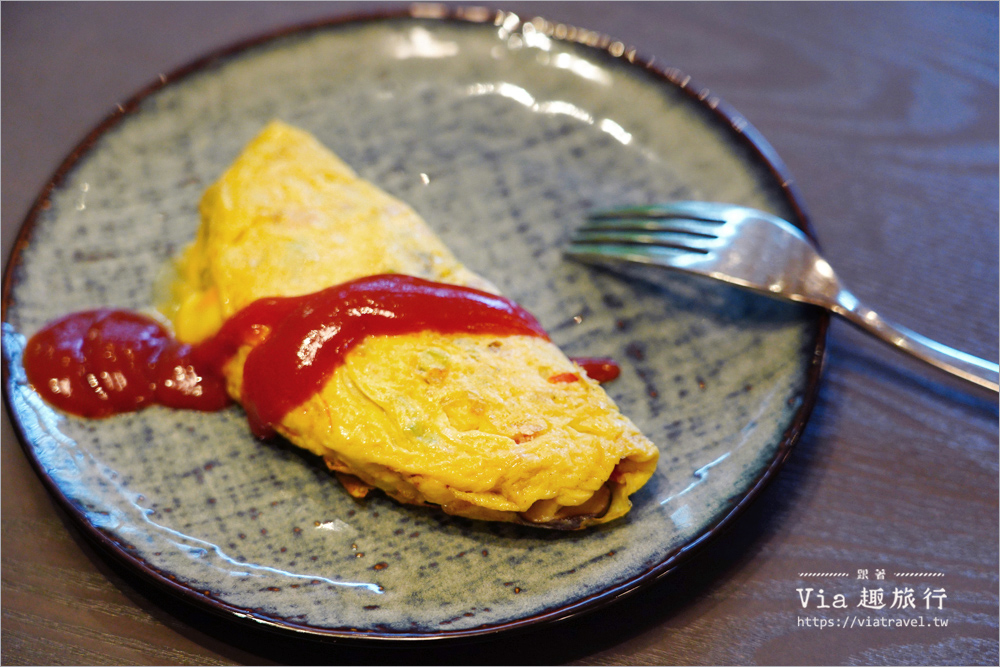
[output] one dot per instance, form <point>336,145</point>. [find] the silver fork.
<point>755,250</point>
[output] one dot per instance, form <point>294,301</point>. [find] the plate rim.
<point>671,77</point>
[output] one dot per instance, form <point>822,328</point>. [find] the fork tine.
<point>680,239</point>
<point>670,257</point>
<point>708,212</point>
<point>690,226</point>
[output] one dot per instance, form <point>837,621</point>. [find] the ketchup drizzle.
<point>599,369</point>
<point>97,363</point>
<point>102,362</point>
<point>316,331</point>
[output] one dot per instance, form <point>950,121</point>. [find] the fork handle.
<point>963,365</point>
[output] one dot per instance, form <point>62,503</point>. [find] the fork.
<point>758,251</point>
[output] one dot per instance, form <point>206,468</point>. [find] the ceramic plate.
<point>502,135</point>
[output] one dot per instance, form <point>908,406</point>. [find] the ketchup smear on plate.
<point>98,363</point>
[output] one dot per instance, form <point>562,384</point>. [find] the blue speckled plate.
<point>502,135</point>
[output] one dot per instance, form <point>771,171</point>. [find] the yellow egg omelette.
<point>470,423</point>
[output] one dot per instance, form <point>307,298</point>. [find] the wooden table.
<point>887,116</point>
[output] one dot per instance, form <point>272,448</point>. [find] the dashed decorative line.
<point>918,574</point>
<point>824,574</point>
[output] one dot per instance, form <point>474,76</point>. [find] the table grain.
<point>886,115</point>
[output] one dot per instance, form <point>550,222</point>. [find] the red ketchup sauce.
<point>97,363</point>
<point>310,335</point>
<point>103,362</point>
<point>599,369</point>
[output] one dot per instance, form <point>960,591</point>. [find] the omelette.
<point>486,426</point>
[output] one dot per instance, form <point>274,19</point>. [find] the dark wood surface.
<point>886,114</point>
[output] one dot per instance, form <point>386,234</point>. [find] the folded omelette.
<point>480,425</point>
